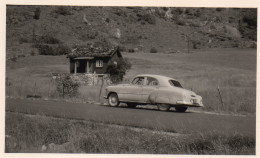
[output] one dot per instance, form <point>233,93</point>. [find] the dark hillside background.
<point>54,30</point>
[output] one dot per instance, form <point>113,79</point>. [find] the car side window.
<point>138,81</point>
<point>152,82</point>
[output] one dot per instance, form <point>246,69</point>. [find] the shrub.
<point>63,10</point>
<point>23,40</point>
<point>131,50</point>
<point>62,50</point>
<point>219,9</point>
<point>149,18</point>
<point>118,70</point>
<point>122,48</point>
<point>51,50</point>
<point>153,50</point>
<point>66,86</point>
<point>48,39</point>
<point>248,24</point>
<point>45,49</point>
<point>146,17</point>
<point>37,14</point>
<point>89,35</point>
<point>195,44</point>
<point>13,59</point>
<point>180,22</point>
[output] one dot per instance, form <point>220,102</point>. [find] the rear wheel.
<point>131,105</point>
<point>113,99</point>
<point>181,109</point>
<point>163,107</point>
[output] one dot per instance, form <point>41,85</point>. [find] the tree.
<point>117,70</point>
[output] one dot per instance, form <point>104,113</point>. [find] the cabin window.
<point>99,63</point>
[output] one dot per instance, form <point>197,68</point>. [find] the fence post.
<point>220,97</point>
<point>48,95</point>
<point>63,90</point>
<point>101,88</point>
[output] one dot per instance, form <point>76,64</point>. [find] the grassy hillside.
<point>133,28</point>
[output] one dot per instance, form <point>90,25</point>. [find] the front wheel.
<point>113,100</point>
<point>181,109</point>
<point>163,107</point>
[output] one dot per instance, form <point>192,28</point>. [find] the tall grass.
<point>47,89</point>
<point>27,133</point>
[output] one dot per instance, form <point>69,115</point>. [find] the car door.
<point>151,84</point>
<point>132,92</point>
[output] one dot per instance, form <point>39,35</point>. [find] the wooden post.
<point>220,97</point>
<point>75,67</point>
<point>101,88</point>
<point>63,87</point>
<point>188,38</point>
<point>34,91</point>
<point>87,66</point>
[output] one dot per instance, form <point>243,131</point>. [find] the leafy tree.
<point>117,70</point>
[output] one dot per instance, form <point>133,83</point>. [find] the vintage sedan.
<point>165,92</point>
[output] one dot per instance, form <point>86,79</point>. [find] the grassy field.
<point>232,70</point>
<point>34,133</point>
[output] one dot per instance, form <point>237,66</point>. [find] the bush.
<point>23,40</point>
<point>149,18</point>
<point>62,50</point>
<point>195,44</point>
<point>180,22</point>
<point>51,50</point>
<point>248,24</point>
<point>153,50</point>
<point>66,86</point>
<point>89,35</point>
<point>45,49</point>
<point>122,48</point>
<point>131,50</point>
<point>32,53</point>
<point>118,70</point>
<point>37,14</point>
<point>146,17</point>
<point>48,39</point>
<point>63,10</point>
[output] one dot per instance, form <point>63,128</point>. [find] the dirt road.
<point>188,122</point>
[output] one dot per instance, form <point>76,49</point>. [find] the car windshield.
<point>175,83</point>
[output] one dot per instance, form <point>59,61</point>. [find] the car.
<point>162,91</point>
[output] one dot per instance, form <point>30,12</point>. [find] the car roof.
<point>163,80</point>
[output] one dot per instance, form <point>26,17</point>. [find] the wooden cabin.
<point>93,60</point>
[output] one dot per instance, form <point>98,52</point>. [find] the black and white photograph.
<point>160,80</point>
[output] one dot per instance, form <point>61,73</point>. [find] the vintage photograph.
<point>130,80</point>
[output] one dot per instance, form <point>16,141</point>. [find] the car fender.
<point>165,96</point>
